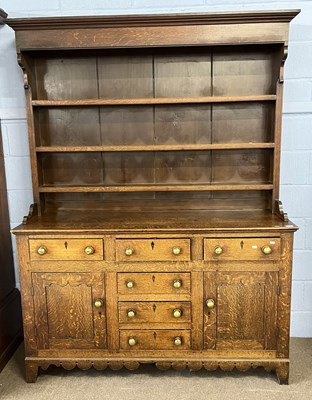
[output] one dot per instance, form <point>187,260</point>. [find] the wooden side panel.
<point>284,299</point>
<point>26,295</point>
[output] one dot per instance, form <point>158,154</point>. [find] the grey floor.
<point>148,383</point>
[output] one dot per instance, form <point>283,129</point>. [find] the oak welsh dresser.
<point>157,234</point>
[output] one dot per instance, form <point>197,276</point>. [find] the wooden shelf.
<point>151,101</point>
<point>173,147</point>
<point>154,188</point>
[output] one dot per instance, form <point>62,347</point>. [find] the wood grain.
<point>149,133</point>
<point>153,249</point>
<point>158,283</point>
<point>242,249</point>
<point>68,249</point>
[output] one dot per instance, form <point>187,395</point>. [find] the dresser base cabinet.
<point>205,312</point>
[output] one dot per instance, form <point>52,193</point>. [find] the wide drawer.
<point>153,249</point>
<point>154,283</point>
<point>155,339</point>
<point>66,249</point>
<point>242,249</point>
<point>154,312</point>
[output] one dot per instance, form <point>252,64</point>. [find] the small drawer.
<point>154,283</point>
<point>155,339</point>
<point>153,249</point>
<point>242,249</point>
<point>66,249</point>
<point>132,312</point>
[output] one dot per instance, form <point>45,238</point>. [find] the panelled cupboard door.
<point>69,310</point>
<point>240,310</point>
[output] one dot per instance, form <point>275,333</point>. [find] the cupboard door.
<point>69,310</point>
<point>240,310</point>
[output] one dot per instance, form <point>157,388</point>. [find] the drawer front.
<point>154,312</point>
<point>66,249</point>
<point>153,249</point>
<point>242,249</point>
<point>155,339</point>
<point>154,283</point>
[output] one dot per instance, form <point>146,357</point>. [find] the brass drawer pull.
<point>176,250</point>
<point>131,313</point>
<point>98,303</point>
<point>178,341</point>
<point>129,284</point>
<point>218,250</point>
<point>42,250</point>
<point>129,251</point>
<point>177,313</point>
<point>89,250</point>
<point>132,341</point>
<point>210,303</point>
<point>266,250</point>
<point>177,283</point>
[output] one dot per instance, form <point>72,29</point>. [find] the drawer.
<point>65,249</point>
<point>154,312</point>
<point>242,249</point>
<point>154,283</point>
<point>155,339</point>
<point>153,249</point>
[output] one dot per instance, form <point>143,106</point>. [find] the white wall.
<point>296,173</point>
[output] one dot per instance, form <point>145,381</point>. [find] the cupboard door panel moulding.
<point>157,226</point>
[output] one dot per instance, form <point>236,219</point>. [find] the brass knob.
<point>132,341</point>
<point>98,303</point>
<point>176,250</point>
<point>218,250</point>
<point>130,284</point>
<point>89,250</point>
<point>42,250</point>
<point>178,341</point>
<point>131,313</point>
<point>129,251</point>
<point>266,250</point>
<point>177,313</point>
<point>177,283</point>
<point>210,303</point>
